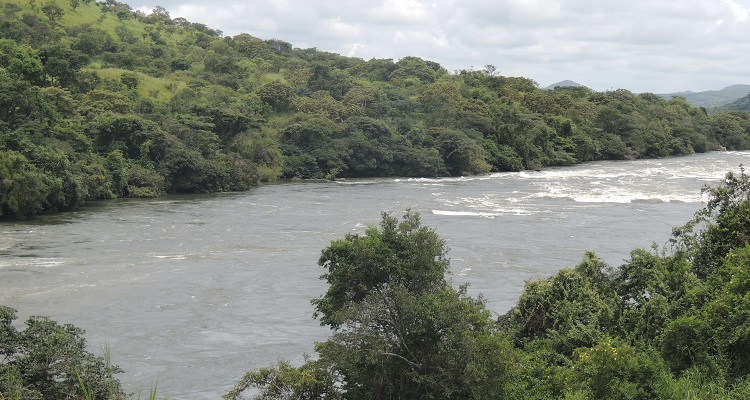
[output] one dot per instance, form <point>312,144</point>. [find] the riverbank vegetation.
<point>47,360</point>
<point>99,101</point>
<point>669,323</point>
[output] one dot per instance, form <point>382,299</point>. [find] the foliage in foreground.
<point>47,360</point>
<point>399,329</point>
<point>670,324</point>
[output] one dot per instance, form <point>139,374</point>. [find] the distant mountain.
<point>742,104</point>
<point>712,98</point>
<point>565,83</point>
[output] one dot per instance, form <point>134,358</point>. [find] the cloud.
<point>641,45</point>
<point>399,12</point>
<point>740,13</point>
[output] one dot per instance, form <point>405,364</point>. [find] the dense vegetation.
<point>47,360</point>
<point>99,101</point>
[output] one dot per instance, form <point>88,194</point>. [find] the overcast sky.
<point>641,45</point>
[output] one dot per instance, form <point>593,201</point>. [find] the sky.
<point>641,45</point>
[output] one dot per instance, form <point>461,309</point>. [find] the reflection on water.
<point>191,291</point>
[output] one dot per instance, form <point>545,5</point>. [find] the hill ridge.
<point>711,98</point>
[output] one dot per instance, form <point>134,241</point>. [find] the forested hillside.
<point>100,101</point>
<point>711,99</point>
<point>742,104</point>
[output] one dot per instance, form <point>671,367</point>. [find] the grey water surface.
<point>192,291</point>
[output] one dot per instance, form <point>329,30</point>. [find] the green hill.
<point>712,98</point>
<point>100,101</point>
<point>742,104</point>
<point>565,83</point>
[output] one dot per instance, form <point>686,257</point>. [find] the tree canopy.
<point>399,329</point>
<point>47,360</point>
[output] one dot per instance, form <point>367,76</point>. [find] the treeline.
<point>100,101</point>
<point>670,323</point>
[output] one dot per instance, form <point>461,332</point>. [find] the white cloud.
<point>354,49</point>
<point>399,12</point>
<point>740,13</point>
<point>641,45</point>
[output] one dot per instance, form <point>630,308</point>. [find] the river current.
<point>192,291</point>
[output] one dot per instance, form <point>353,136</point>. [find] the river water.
<point>191,291</point>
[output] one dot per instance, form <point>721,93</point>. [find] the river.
<point>192,291</point>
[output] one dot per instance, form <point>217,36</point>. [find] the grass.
<point>91,15</point>
<point>270,77</point>
<point>88,393</point>
<point>152,393</point>
<point>148,87</point>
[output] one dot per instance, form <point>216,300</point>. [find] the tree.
<point>720,226</point>
<point>218,63</point>
<point>413,69</point>
<point>711,323</point>
<point>50,361</point>
<point>277,94</point>
<point>180,64</point>
<point>241,107</point>
<point>158,14</point>
<point>136,137</point>
<point>94,42</point>
<point>131,80</point>
<point>729,129</point>
<point>334,81</point>
<point>369,99</point>
<point>62,64</point>
<point>22,185</point>
<point>612,370</point>
<point>21,103</point>
<point>438,344</point>
<point>101,101</point>
<point>402,253</point>
<point>400,331</point>
<point>568,310</point>
<point>461,154</point>
<point>53,11</point>
<point>251,47</point>
<point>322,103</point>
<point>284,382</point>
<point>20,60</point>
<point>279,47</point>
<point>489,70</point>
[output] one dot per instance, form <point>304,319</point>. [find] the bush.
<point>50,361</point>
